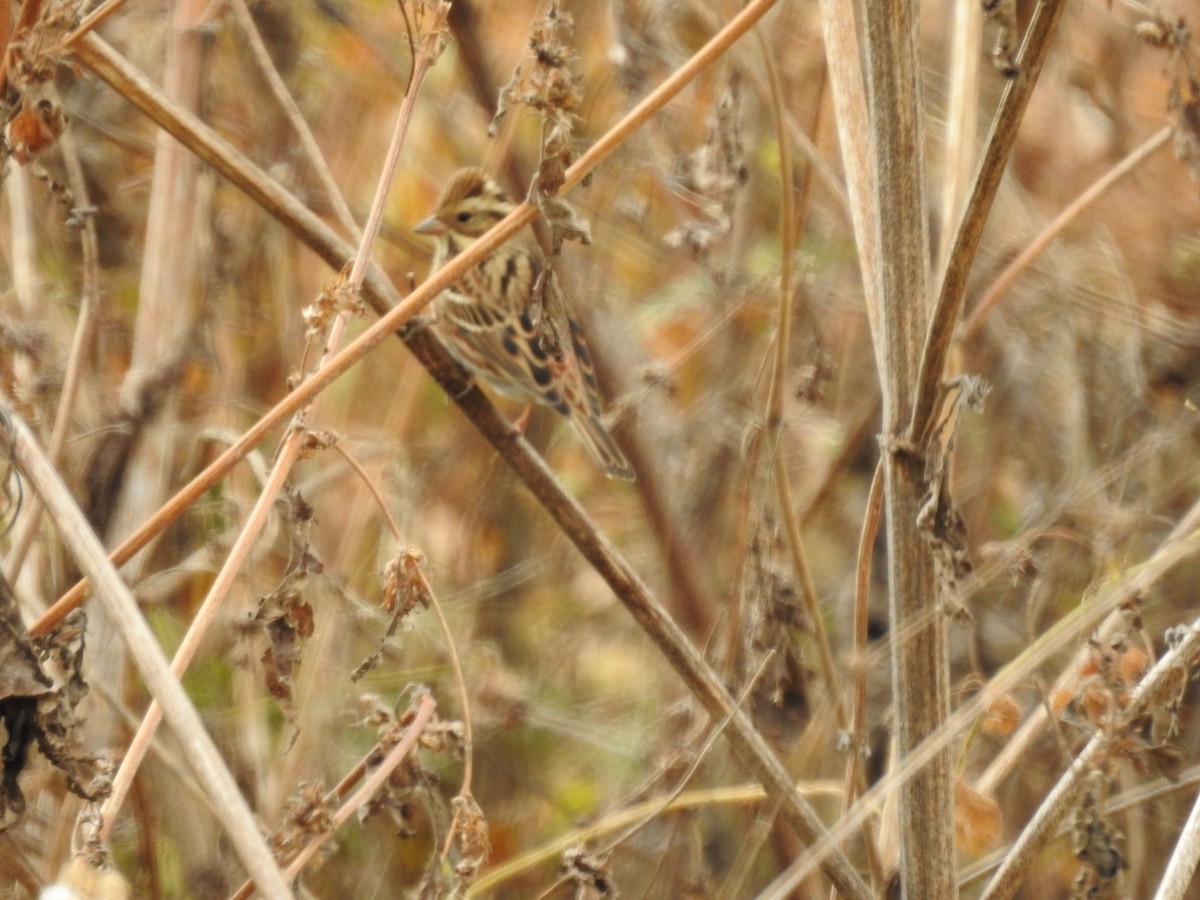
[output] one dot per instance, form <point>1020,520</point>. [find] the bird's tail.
<point>602,446</point>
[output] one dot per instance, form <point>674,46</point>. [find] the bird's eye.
<point>464,216</point>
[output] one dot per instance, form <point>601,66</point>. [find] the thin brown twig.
<point>427,591</point>
<point>93,20</point>
<point>858,720</point>
<point>1004,282</point>
<point>788,238</point>
<point>292,110</point>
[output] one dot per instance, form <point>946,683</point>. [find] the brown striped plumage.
<point>507,323</point>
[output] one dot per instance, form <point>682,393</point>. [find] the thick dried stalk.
<point>920,661</point>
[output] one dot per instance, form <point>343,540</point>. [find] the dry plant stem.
<point>317,159</point>
<point>775,396</point>
<point>425,707</point>
<point>85,327</point>
<point>451,648</point>
<point>920,660</point>
<point>961,116</point>
<point>808,591</point>
<point>699,677</point>
<point>425,57</point>
<point>1184,858</point>
<point>95,19</point>
<point>843,60</point>
<point>234,815</point>
<point>6,33</point>
<point>1002,284</point>
<point>1059,803</point>
<point>288,454</point>
<point>744,795</point>
<point>1183,543</point>
<point>858,721</point>
<point>1000,140</point>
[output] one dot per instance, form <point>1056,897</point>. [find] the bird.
<point>506,321</point>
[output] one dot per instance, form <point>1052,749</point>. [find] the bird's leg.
<point>522,420</point>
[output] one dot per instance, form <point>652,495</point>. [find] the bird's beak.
<point>431,226</point>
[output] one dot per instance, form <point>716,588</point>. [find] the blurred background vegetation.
<point>1083,460</point>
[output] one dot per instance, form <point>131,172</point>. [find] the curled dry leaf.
<point>1094,840</point>
<point>1002,716</point>
<point>34,711</point>
<point>287,621</point>
<point>307,813</point>
<point>588,873</point>
<point>404,589</point>
<point>34,129</point>
<point>712,176</point>
<point>978,824</point>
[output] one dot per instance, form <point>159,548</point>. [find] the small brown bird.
<point>507,323</point>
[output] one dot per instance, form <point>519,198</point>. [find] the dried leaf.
<point>588,873</point>
<point>307,813</point>
<point>404,588</point>
<point>1002,716</point>
<point>34,129</point>
<point>978,824</point>
<point>711,177</point>
<point>33,710</point>
<point>287,621</point>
